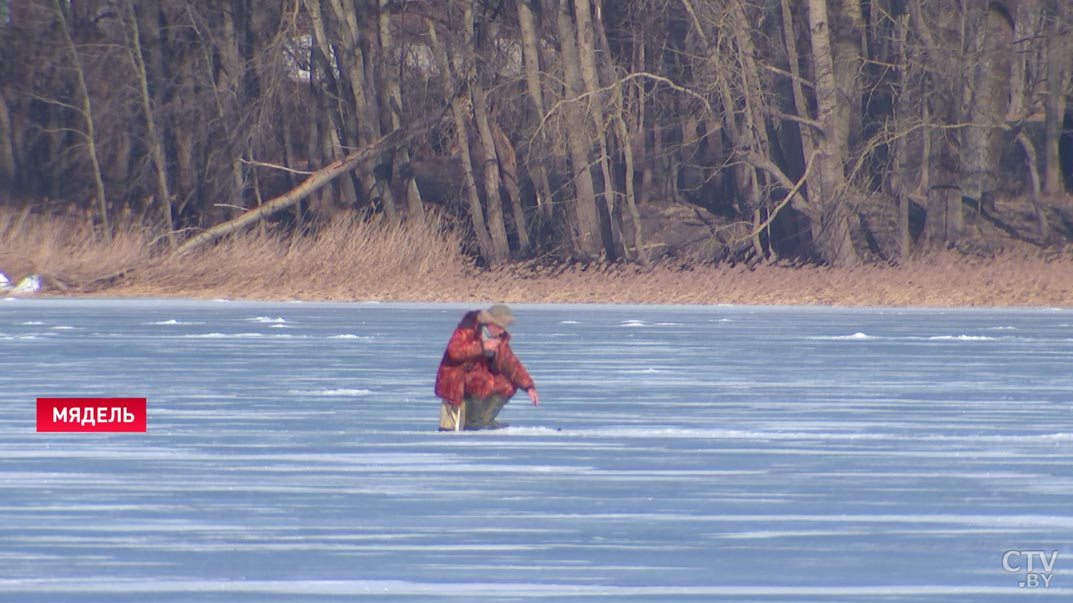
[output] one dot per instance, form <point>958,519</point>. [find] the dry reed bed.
<point>942,280</point>
<point>66,249</point>
<point>342,259</point>
<point>946,280</point>
<point>350,259</point>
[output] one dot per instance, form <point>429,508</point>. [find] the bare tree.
<point>528,20</point>
<point>485,244</point>
<point>476,72</point>
<point>1058,17</point>
<point>833,232</point>
<point>132,32</point>
<point>85,110</point>
<point>7,145</point>
<point>584,220</point>
<point>390,63</point>
<point>977,112</point>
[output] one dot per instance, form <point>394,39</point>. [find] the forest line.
<point>838,131</point>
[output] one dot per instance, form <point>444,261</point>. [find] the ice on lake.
<point>679,454</point>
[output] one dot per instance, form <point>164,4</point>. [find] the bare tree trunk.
<point>86,110</point>
<point>631,195</point>
<point>490,163</point>
<point>458,112</point>
<point>230,88</point>
<point>7,146</point>
<point>1054,102</point>
<point>489,160</point>
<point>508,173</point>
<point>318,151</point>
<point>329,119</point>
<point>184,159</point>
<point>742,114</point>
<point>585,222</point>
<point>120,148</point>
<point>156,147</point>
<point>622,131</point>
<point>849,42</point>
<point>365,110</point>
<point>586,48</point>
<point>945,221</point>
<point>800,100</point>
<point>531,56</point>
<point>925,153</point>
<point>833,232</point>
<point>393,106</point>
<point>752,94</point>
<point>903,109</point>
<point>976,111</point>
<point>1024,31</point>
<point>1032,162</point>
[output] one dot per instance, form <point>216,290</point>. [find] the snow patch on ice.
<point>222,335</point>
<point>268,320</point>
<point>330,392</point>
<point>172,323</point>
<point>962,338</point>
<point>858,336</point>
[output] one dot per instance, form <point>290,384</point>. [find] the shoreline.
<point>946,280</point>
<point>353,259</point>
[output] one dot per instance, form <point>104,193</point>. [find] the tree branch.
<point>795,187</point>
<point>315,182</point>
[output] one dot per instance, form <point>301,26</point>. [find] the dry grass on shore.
<point>343,259</point>
<point>945,279</point>
<point>349,259</point>
<point>67,248</point>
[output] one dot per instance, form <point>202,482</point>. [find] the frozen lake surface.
<point>679,454</point>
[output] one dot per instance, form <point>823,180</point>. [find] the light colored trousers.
<point>478,412</point>
<point>452,418</point>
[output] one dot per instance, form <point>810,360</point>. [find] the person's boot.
<point>481,412</point>
<point>492,408</point>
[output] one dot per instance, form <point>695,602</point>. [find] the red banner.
<point>91,414</point>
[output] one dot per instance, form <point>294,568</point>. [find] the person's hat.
<point>497,315</point>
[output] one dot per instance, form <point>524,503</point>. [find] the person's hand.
<point>533,396</point>
<point>491,346</point>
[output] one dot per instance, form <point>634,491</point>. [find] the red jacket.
<point>465,353</point>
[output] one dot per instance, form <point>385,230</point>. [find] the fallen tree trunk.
<point>315,182</point>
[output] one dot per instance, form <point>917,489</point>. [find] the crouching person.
<point>479,373</point>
